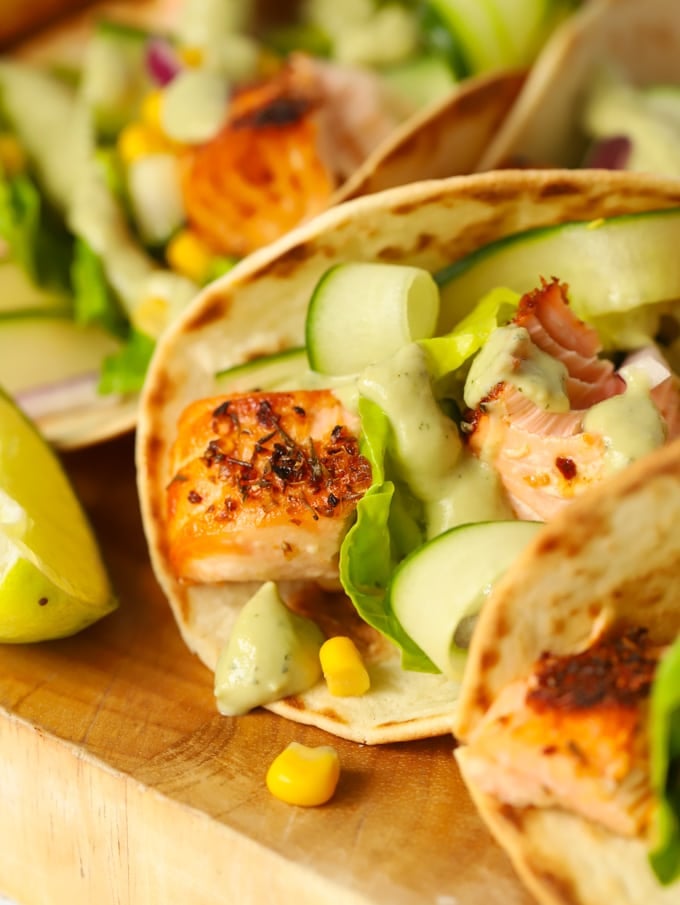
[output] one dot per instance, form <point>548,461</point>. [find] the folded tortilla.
<point>444,139</point>
<point>622,539</point>
<point>259,308</point>
<point>639,39</point>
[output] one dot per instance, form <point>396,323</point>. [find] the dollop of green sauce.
<point>271,653</point>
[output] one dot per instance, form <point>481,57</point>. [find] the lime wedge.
<point>53,582</point>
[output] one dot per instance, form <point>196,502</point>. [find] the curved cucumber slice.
<point>41,350</point>
<point>18,295</point>
<point>610,265</point>
<point>360,313</point>
<point>437,591</point>
<point>285,370</point>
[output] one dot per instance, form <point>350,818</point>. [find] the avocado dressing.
<point>509,356</point>
<point>630,422</point>
<point>427,451</point>
<point>271,653</point>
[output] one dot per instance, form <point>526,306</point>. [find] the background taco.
<point>575,777</point>
<point>146,147</point>
<point>260,309</point>
<point>604,92</point>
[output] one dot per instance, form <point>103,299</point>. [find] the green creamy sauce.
<point>509,356</point>
<point>630,423</point>
<point>426,442</point>
<point>271,653</point>
<point>454,486</point>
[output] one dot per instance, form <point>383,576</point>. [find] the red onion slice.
<point>162,62</point>
<point>609,153</point>
<point>651,362</point>
<point>63,396</point>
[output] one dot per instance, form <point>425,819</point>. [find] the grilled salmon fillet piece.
<point>288,143</point>
<point>265,486</point>
<point>573,735</point>
<point>545,458</point>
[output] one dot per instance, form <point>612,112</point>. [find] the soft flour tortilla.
<point>639,37</point>
<point>444,139</point>
<point>259,308</point>
<point>612,558</point>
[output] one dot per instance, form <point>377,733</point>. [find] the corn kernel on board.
<point>120,782</point>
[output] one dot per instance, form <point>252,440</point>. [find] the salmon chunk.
<point>288,143</point>
<point>265,487</point>
<point>544,459</point>
<point>573,735</point>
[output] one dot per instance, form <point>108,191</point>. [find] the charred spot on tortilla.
<point>490,659</point>
<point>287,264</point>
<point>556,188</point>
<point>206,315</point>
<point>423,241</point>
<point>563,890</point>
<point>515,817</point>
<point>164,392</point>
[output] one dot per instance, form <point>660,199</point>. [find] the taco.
<point>569,709</point>
<point>144,148</point>
<point>605,92</point>
<point>334,482</point>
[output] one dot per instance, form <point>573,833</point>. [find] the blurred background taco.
<point>605,92</point>
<point>145,147</point>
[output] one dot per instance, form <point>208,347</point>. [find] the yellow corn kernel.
<point>187,253</point>
<point>12,155</point>
<point>191,56</point>
<point>151,110</point>
<point>139,139</point>
<point>151,316</point>
<point>304,776</point>
<point>343,668</point>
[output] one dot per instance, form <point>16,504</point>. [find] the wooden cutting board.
<point>120,782</point>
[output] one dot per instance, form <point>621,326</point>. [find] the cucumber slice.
<point>45,114</point>
<point>282,371</point>
<point>361,313</point>
<point>18,295</point>
<point>155,195</point>
<point>494,34</point>
<point>421,81</point>
<point>195,106</point>
<point>610,266</point>
<point>40,351</point>
<point>436,592</point>
<point>481,36</point>
<point>115,77</point>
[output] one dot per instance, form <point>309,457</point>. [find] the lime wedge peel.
<point>53,582</point>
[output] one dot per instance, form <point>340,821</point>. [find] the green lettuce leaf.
<point>37,240</point>
<point>386,528</point>
<point>389,521</point>
<point>94,301</point>
<point>664,856</point>
<point>124,372</point>
<point>449,352</point>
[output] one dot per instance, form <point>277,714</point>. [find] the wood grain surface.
<point>120,782</point>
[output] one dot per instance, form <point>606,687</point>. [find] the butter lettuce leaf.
<point>94,301</point>
<point>449,352</point>
<point>664,856</point>
<point>38,242</point>
<point>124,372</point>
<point>386,528</point>
<point>389,522</point>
